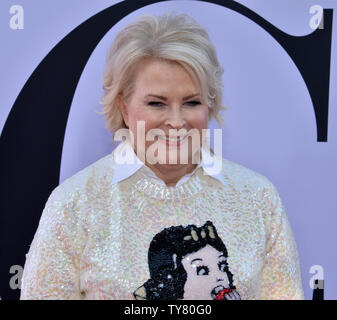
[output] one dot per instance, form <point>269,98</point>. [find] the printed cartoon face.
<point>206,274</point>
<point>188,263</point>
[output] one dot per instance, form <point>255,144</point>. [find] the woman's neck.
<point>171,173</point>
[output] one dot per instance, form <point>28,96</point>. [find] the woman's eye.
<point>155,103</point>
<point>202,271</point>
<point>223,266</point>
<point>193,103</point>
<point>159,104</point>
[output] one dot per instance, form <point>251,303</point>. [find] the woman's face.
<point>206,275</point>
<point>165,97</point>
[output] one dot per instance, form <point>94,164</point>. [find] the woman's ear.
<point>122,108</point>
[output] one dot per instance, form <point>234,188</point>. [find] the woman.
<point>162,84</point>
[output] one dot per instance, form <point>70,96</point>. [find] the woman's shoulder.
<point>96,172</point>
<point>243,177</point>
<point>253,185</point>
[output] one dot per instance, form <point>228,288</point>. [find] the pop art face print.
<point>188,263</point>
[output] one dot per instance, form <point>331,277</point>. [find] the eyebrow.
<point>198,259</point>
<point>164,98</point>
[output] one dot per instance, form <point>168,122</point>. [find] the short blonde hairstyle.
<point>171,37</point>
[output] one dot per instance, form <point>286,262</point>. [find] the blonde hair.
<point>171,37</point>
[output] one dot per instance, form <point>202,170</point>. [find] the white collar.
<point>127,163</point>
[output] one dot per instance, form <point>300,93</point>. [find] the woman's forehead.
<point>160,78</point>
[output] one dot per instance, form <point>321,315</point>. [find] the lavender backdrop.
<point>270,125</point>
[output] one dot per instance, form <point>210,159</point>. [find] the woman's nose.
<point>175,119</point>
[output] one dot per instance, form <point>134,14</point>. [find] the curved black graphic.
<point>32,138</point>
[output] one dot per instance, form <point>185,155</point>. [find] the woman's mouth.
<point>172,141</point>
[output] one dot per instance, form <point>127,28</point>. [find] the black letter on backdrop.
<point>32,138</point>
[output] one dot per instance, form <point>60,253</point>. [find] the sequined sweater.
<point>94,234</point>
